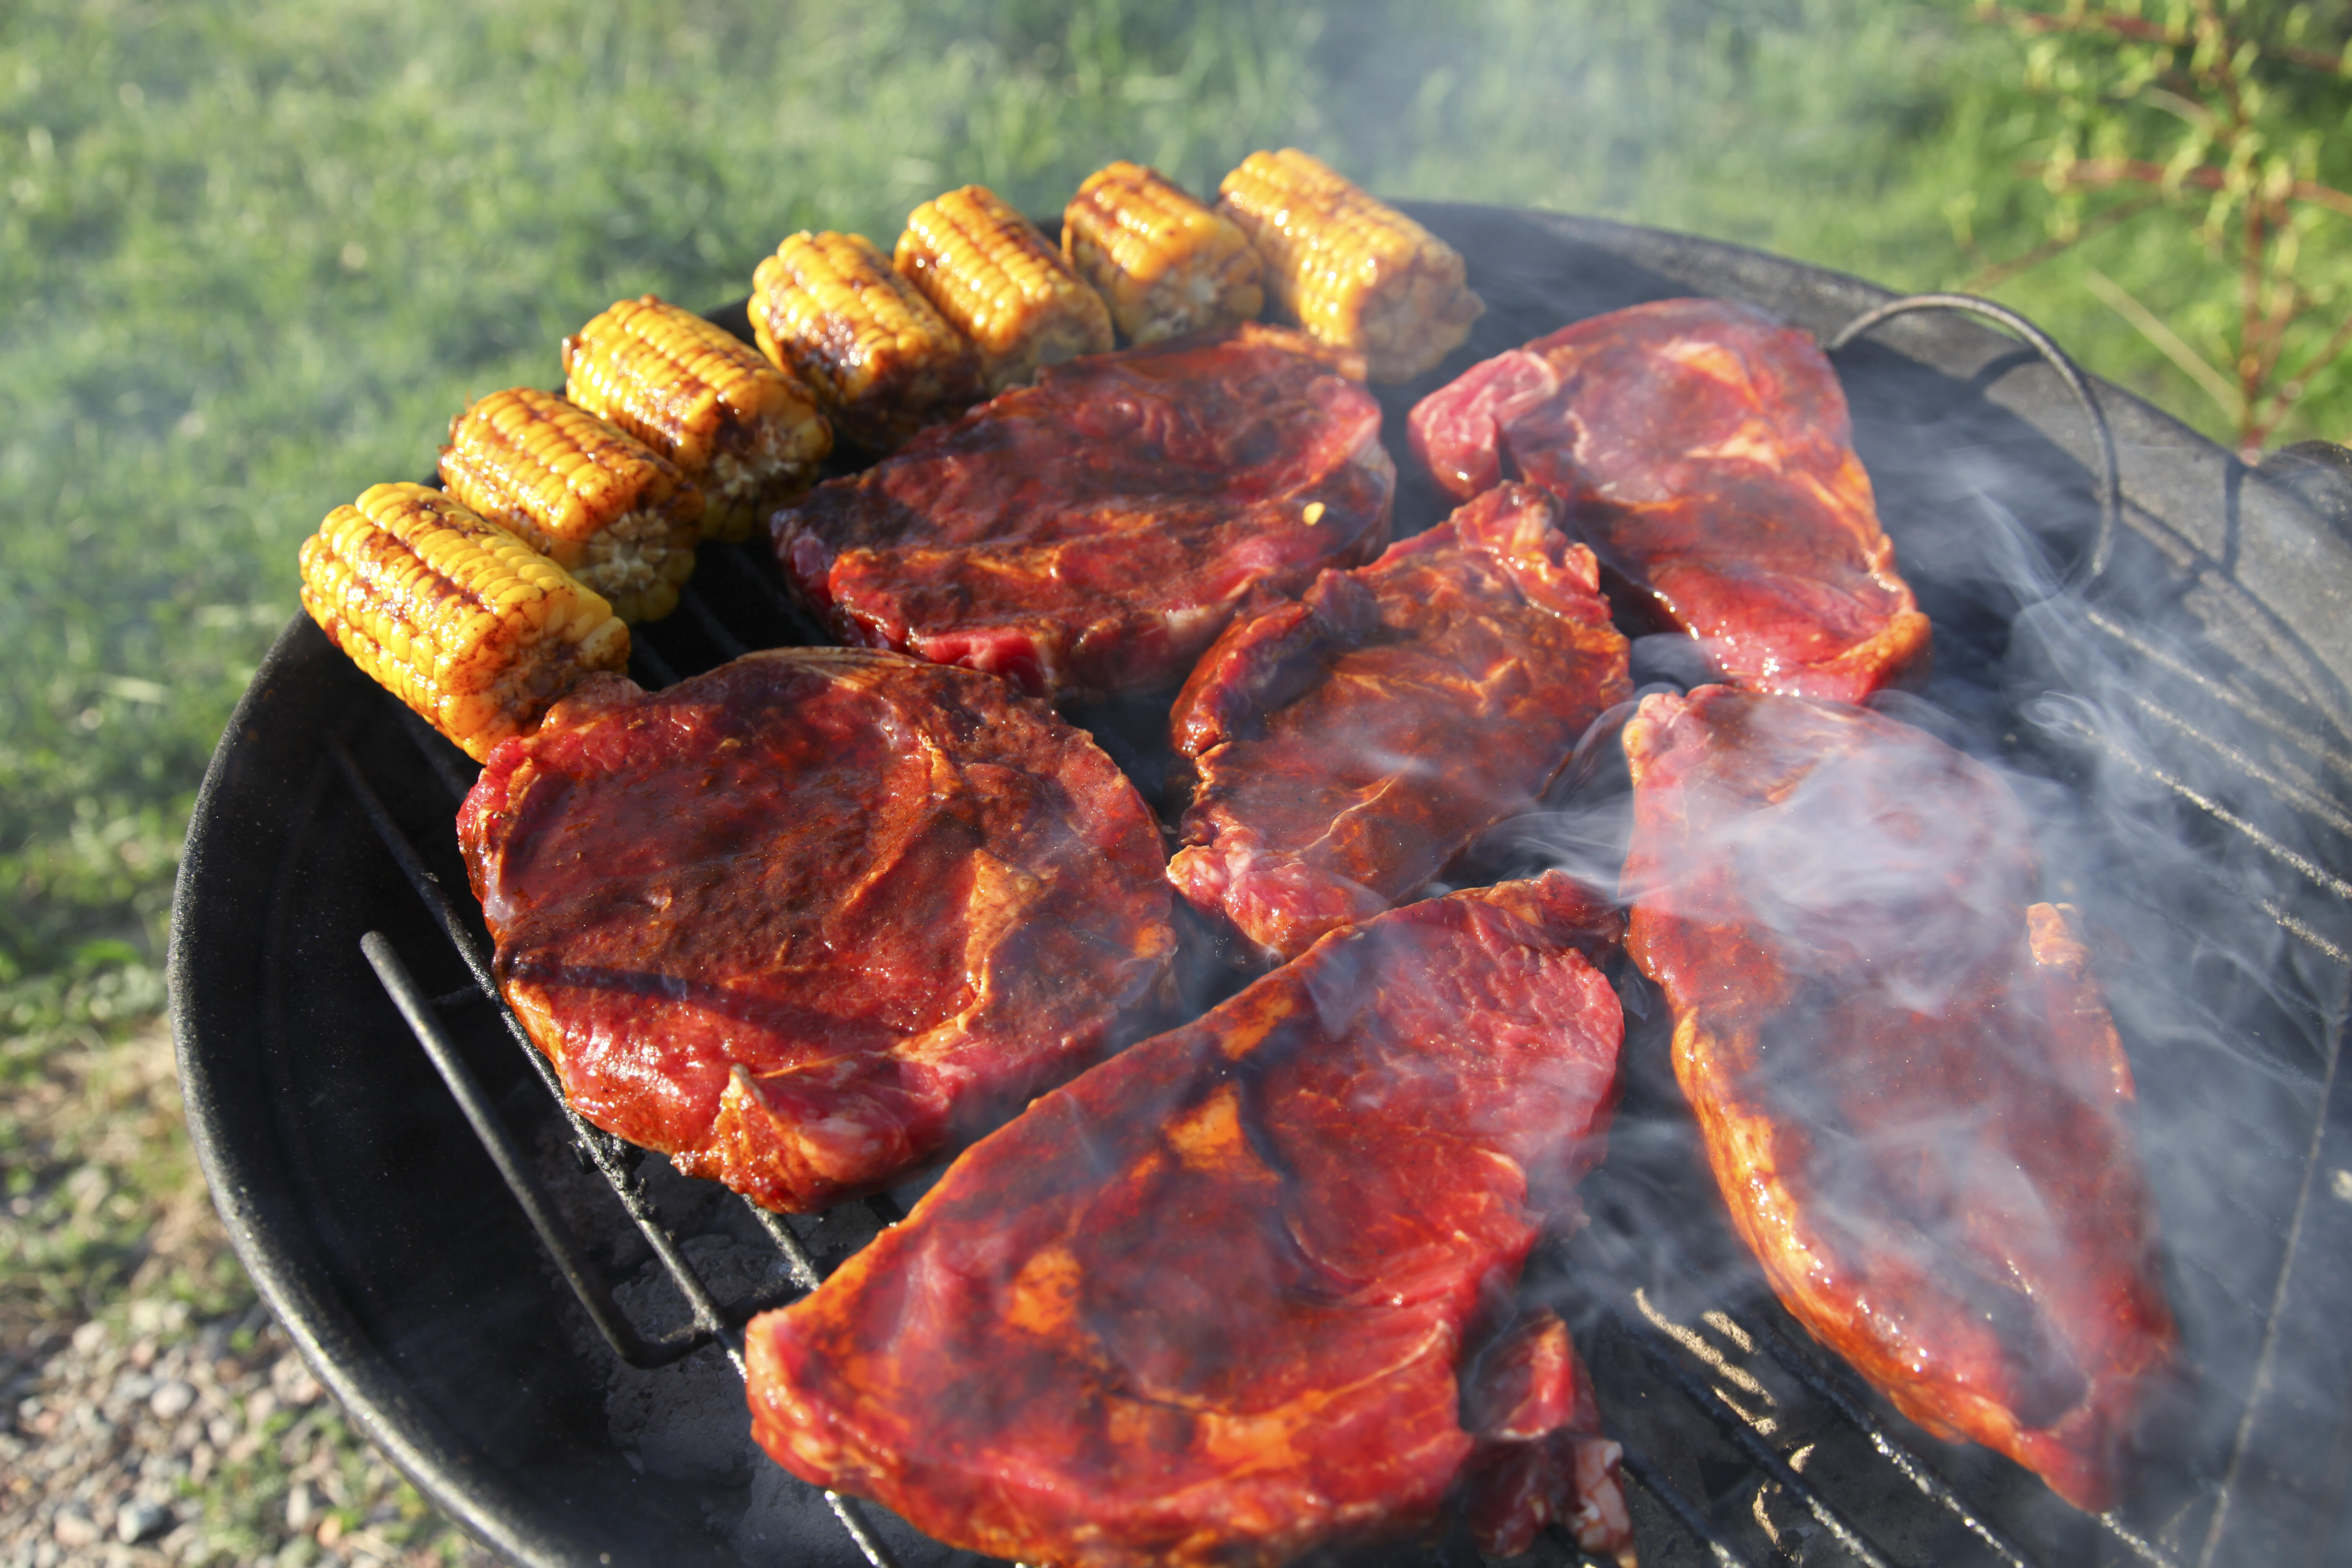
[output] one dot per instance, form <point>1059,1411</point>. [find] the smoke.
<point>2172,752</point>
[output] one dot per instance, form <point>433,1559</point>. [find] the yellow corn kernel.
<point>597,501</point>
<point>883,363</point>
<point>454,614</point>
<point>747,434</point>
<point>1166,264</point>
<point>1354,272</point>
<point>995,278</point>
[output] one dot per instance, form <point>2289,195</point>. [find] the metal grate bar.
<point>1652,1346</point>
<point>1831,1391</point>
<point>712,626</point>
<point>2227,696</point>
<point>2286,789</point>
<point>2295,859</point>
<point>579,1269</point>
<point>652,670</point>
<point>2266,1364</point>
<point>1638,1465</point>
<point>603,1150</point>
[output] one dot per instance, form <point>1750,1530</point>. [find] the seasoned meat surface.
<point>1346,746</point>
<point>1708,458</point>
<point>1915,1102</point>
<point>1089,535</point>
<point>811,920</point>
<point>1232,1295</point>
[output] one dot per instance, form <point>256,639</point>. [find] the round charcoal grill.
<point>550,1361</point>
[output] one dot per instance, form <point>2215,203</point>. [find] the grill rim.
<point>219,896</point>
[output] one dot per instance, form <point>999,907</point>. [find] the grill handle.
<point>2110,483</point>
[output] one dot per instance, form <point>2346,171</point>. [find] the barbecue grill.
<point>498,1294</point>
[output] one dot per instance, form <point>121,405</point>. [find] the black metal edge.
<point>216,907</point>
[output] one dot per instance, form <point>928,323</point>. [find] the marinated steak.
<point>815,918</point>
<point>1223,1299</point>
<point>1912,1095</point>
<point>1708,457</point>
<point>1348,746</point>
<point>1089,535</point>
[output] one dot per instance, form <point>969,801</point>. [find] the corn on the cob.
<point>599,502</point>
<point>1166,264</point>
<point>1350,270</point>
<point>454,615</point>
<point>830,307</point>
<point>747,435</point>
<point>994,276</point>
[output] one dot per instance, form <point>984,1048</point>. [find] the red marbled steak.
<point>1706,455</point>
<point>816,918</point>
<point>1089,535</point>
<point>1913,1100</point>
<point>1222,1299</point>
<point>1345,747</point>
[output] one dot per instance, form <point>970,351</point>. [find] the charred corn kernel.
<point>1353,271</point>
<point>597,501</point>
<point>999,282</point>
<point>883,363</point>
<point>454,615</point>
<point>1166,264</point>
<point>747,434</point>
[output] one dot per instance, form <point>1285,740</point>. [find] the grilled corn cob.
<point>600,503</point>
<point>1353,271</point>
<point>747,435</point>
<point>454,615</point>
<point>884,363</point>
<point>994,276</point>
<point>1166,264</point>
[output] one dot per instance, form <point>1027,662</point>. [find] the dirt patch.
<point>150,1410</point>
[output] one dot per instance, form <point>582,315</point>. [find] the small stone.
<point>260,1408</point>
<point>171,1400</point>
<point>302,1507</point>
<point>90,1339</point>
<point>74,1530</point>
<point>141,1520</point>
<point>143,1354</point>
<point>222,1430</point>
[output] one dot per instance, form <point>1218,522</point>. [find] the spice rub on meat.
<point>1247,1289</point>
<point>1091,534</point>
<point>1915,1102</point>
<point>1707,453</point>
<point>815,918</point>
<point>1346,746</point>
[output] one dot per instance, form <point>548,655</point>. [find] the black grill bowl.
<point>2179,727</point>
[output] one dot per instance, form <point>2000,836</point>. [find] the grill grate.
<point>2264,770</point>
<point>1676,1357</point>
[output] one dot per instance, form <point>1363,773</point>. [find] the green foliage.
<point>2197,181</point>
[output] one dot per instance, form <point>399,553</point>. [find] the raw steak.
<point>816,918</point>
<point>1707,455</point>
<point>1347,746</point>
<point>1224,1299</point>
<point>1915,1102</point>
<point>1090,534</point>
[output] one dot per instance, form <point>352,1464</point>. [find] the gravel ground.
<point>151,1413</point>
